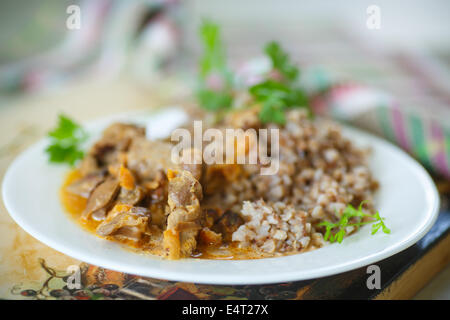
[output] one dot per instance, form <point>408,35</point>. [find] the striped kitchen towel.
<point>424,134</point>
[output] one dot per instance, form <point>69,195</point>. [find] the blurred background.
<point>141,38</point>
<point>381,65</point>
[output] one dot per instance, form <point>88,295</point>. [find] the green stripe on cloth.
<point>419,142</point>
<point>385,122</point>
<point>447,145</point>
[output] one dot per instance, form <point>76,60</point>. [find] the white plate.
<point>407,198</point>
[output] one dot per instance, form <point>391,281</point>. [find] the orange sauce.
<point>75,204</point>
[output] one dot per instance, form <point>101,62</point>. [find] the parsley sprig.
<point>281,92</point>
<point>335,232</point>
<point>280,61</point>
<point>275,98</point>
<point>65,141</point>
<point>213,67</point>
<point>278,92</point>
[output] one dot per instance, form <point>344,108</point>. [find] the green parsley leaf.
<point>65,142</point>
<point>335,232</point>
<point>216,88</point>
<point>213,100</point>
<point>276,98</point>
<point>64,154</point>
<point>291,97</point>
<point>269,88</point>
<point>280,61</point>
<point>212,63</point>
<point>272,111</point>
<point>278,95</point>
<point>381,223</point>
<point>67,129</point>
<point>214,53</point>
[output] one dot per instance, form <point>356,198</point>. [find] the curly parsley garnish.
<point>335,232</point>
<point>66,139</point>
